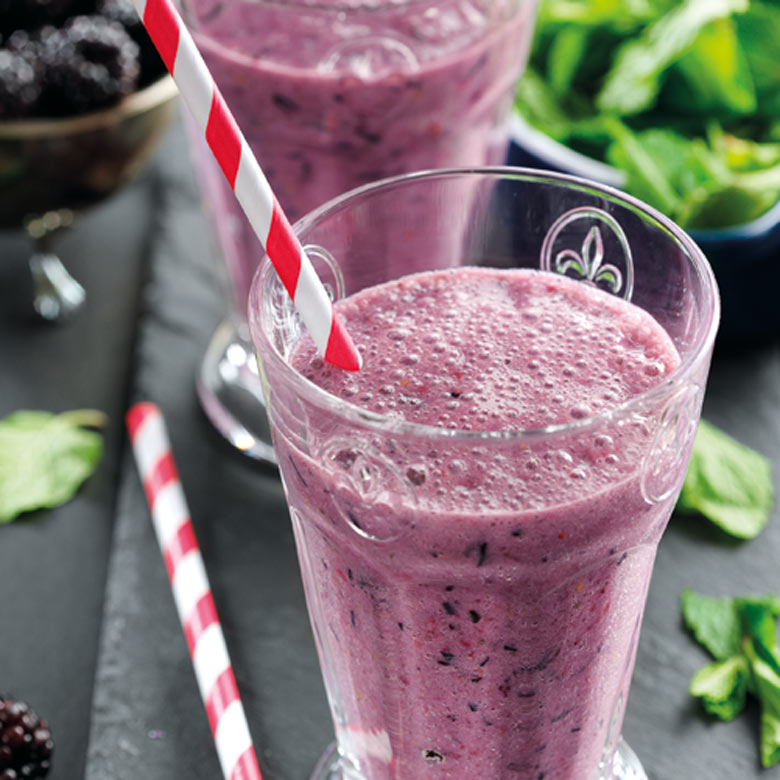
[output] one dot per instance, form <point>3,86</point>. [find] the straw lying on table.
<point>192,593</point>
<point>213,117</point>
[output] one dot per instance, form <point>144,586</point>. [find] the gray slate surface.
<point>53,563</point>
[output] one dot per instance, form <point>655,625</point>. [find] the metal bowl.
<point>53,169</point>
<point>75,162</point>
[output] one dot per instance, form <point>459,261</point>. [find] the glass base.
<point>625,766</point>
<point>231,394</point>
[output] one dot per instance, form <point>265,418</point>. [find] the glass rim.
<point>341,6</point>
<point>318,6</point>
<point>700,347</point>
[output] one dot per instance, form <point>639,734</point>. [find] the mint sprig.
<point>682,96</point>
<point>45,458</point>
<point>741,635</point>
<point>728,483</point>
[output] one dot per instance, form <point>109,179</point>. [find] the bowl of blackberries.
<point>84,101</point>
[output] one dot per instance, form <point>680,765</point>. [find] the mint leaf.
<point>717,71</point>
<point>633,83</point>
<point>565,57</point>
<point>713,207</point>
<point>742,155</point>
<point>759,621</point>
<point>714,622</point>
<point>747,604</point>
<point>44,458</point>
<point>728,483</point>
<point>622,15</point>
<point>646,165</point>
<point>759,34</point>
<point>722,686</point>
<point>768,178</point>
<point>668,70</point>
<point>766,681</point>
<point>664,168</point>
<point>540,107</point>
<point>741,634</point>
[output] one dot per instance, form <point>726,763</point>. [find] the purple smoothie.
<point>476,601</point>
<point>329,99</point>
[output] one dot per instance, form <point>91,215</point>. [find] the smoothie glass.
<point>331,95</point>
<point>476,596</point>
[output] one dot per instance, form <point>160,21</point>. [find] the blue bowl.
<point>745,258</point>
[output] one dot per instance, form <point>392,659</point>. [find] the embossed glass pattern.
<point>476,596</point>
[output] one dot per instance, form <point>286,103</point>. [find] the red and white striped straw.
<point>191,592</point>
<point>213,117</point>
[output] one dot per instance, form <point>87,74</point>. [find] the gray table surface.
<point>88,630</point>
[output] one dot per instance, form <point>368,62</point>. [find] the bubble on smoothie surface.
<point>501,350</point>
<point>488,350</point>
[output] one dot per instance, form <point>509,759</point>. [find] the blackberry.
<point>25,742</point>
<point>88,64</point>
<point>23,43</point>
<point>19,86</point>
<point>30,45</point>
<point>123,11</point>
<point>31,14</point>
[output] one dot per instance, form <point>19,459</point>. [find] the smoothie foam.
<point>476,602</point>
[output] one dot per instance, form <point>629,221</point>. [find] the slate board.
<point>147,718</point>
<point>53,562</point>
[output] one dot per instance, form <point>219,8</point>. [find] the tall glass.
<point>330,95</point>
<point>476,595</point>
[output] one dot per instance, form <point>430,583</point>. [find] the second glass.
<point>332,95</point>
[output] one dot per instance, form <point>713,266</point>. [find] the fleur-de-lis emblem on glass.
<point>587,261</point>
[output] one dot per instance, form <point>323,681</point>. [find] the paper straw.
<point>241,169</point>
<point>192,593</point>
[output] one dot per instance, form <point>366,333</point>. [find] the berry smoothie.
<point>476,599</point>
<point>336,94</point>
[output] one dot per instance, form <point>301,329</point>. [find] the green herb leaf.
<point>746,604</point>
<point>759,34</point>
<point>728,483</point>
<point>634,81</point>
<point>646,175</point>
<point>565,57</point>
<point>751,664</point>
<point>687,178</point>
<point>767,686</point>
<point>44,458</point>
<point>759,621</point>
<point>717,73</point>
<point>623,15</point>
<point>713,206</point>
<point>670,70</point>
<point>742,155</point>
<point>714,622</point>
<point>722,686</point>
<point>540,107</point>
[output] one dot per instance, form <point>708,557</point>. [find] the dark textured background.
<point>88,630</point>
